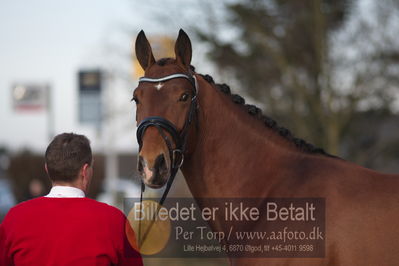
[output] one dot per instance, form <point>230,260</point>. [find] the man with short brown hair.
<point>65,155</point>
<point>65,227</point>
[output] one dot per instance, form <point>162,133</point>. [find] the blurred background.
<point>326,69</point>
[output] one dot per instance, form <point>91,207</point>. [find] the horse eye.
<point>135,99</point>
<point>184,97</point>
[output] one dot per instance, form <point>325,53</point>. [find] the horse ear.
<point>143,51</point>
<point>183,49</point>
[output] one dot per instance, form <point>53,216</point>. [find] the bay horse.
<point>231,150</point>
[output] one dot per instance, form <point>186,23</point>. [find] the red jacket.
<point>66,231</point>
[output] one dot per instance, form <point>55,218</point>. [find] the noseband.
<point>163,125</point>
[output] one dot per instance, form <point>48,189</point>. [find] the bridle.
<point>163,125</point>
<point>176,154</point>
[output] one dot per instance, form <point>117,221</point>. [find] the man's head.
<point>69,160</point>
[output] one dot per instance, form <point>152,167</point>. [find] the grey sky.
<point>48,41</point>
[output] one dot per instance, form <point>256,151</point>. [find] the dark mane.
<point>257,112</point>
<point>269,122</point>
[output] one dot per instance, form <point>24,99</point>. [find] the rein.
<point>176,154</point>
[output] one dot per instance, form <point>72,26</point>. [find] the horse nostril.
<point>160,163</point>
<point>140,165</point>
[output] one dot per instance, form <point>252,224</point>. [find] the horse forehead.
<point>159,89</point>
<point>156,89</point>
<point>157,71</point>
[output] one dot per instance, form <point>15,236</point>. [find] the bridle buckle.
<point>181,158</point>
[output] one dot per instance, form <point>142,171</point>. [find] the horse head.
<point>165,107</point>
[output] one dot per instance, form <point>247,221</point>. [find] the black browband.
<point>179,137</point>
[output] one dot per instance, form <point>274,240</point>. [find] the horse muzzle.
<point>157,174</point>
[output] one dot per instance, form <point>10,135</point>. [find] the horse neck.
<point>233,150</point>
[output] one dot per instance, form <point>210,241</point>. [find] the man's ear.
<point>84,170</point>
<point>45,167</point>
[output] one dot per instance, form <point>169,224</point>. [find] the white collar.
<point>65,192</point>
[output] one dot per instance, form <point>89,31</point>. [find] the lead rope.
<point>142,188</point>
<point>162,200</point>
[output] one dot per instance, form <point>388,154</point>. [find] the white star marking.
<point>159,86</point>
